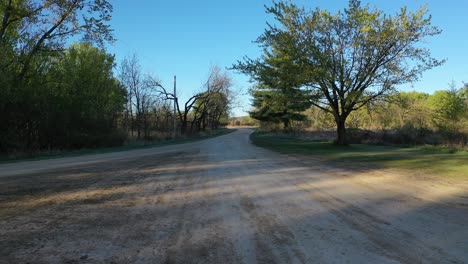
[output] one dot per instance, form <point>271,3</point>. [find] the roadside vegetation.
<point>440,161</point>
<point>53,154</point>
<point>243,121</point>
<point>403,118</point>
<point>341,71</point>
<point>326,85</point>
<point>56,96</point>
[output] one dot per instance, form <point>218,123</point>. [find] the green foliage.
<point>278,105</point>
<point>320,120</point>
<point>32,29</point>
<point>87,98</point>
<point>243,121</point>
<point>343,60</point>
<point>404,109</point>
<point>74,102</point>
<point>278,96</point>
<point>450,109</point>
<point>410,118</point>
<point>46,93</point>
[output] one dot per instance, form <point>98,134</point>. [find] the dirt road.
<point>224,200</point>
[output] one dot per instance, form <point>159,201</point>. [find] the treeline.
<point>52,96</point>
<point>407,117</point>
<point>401,118</point>
<point>72,102</point>
<point>243,121</point>
<point>444,111</point>
<point>59,96</point>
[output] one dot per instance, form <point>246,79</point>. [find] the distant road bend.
<point>223,200</point>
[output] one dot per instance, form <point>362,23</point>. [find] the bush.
<point>454,138</point>
<point>271,127</point>
<point>412,135</point>
<point>79,140</point>
<point>409,135</point>
<point>358,136</point>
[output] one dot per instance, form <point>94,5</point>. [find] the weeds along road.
<point>223,200</point>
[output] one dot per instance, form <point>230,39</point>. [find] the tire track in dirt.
<point>221,201</point>
<point>201,236</point>
<point>274,242</point>
<point>394,243</point>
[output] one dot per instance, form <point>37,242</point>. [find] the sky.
<point>187,37</point>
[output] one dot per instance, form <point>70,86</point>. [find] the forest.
<point>61,90</point>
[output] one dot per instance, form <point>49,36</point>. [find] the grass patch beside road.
<point>439,161</point>
<point>53,154</point>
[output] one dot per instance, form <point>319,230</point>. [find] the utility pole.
<point>175,113</point>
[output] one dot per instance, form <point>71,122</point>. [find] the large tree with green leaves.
<point>33,39</point>
<point>346,59</point>
<point>30,28</point>
<point>86,99</point>
<point>276,105</point>
<point>278,94</point>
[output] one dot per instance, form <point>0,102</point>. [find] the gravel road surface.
<point>223,200</point>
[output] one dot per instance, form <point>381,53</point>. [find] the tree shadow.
<point>200,207</point>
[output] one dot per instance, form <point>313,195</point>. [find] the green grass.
<point>134,145</point>
<point>440,161</point>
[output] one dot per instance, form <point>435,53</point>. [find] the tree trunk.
<point>138,121</point>
<point>341,132</point>
<point>204,124</point>
<point>138,118</point>
<point>183,127</point>
<point>286,123</point>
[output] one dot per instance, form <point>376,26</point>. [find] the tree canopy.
<point>51,96</point>
<point>278,94</point>
<point>344,60</point>
<point>30,28</point>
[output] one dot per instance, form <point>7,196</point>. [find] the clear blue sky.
<point>186,37</point>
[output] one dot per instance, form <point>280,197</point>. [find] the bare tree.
<point>204,108</point>
<point>216,103</point>
<point>183,115</point>
<point>141,96</point>
<point>130,77</point>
